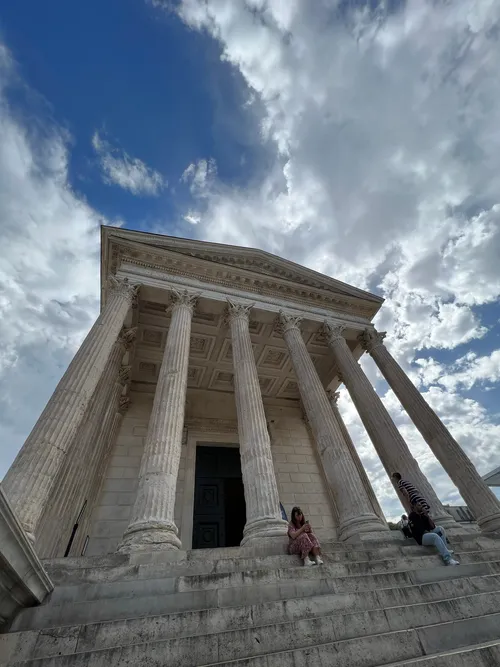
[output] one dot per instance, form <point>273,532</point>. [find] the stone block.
<point>109,498</point>
<point>287,467</point>
<point>114,513</point>
<point>299,477</point>
<point>120,485</point>
<point>109,528</point>
<point>296,458</point>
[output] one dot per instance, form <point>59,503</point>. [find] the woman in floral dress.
<point>302,540</point>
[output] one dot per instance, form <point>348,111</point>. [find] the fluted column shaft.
<point>104,446</point>
<point>78,468</point>
<point>261,492</point>
<point>479,497</point>
<point>356,514</point>
<point>391,448</point>
<point>152,524</point>
<point>333,397</point>
<point>29,482</point>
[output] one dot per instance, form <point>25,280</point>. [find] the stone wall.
<point>298,472</point>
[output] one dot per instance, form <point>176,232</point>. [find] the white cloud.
<point>49,267</point>
<point>386,173</point>
<point>126,172</point>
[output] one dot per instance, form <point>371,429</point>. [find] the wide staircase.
<point>368,605</point>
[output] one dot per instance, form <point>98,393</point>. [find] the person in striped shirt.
<point>410,492</point>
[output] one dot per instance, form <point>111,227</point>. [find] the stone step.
<point>251,629</point>
<point>300,643</point>
<point>153,578</point>
<point>481,655</point>
<point>62,574</point>
<point>156,600</point>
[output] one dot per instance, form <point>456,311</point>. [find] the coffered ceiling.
<point>210,362</point>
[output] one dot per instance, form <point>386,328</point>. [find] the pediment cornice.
<point>252,273</point>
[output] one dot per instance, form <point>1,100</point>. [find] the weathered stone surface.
<point>30,480</point>
<point>356,514</point>
<point>23,581</point>
<point>152,526</point>
<point>82,464</point>
<point>479,497</point>
<point>391,448</point>
<point>261,493</point>
<point>333,398</point>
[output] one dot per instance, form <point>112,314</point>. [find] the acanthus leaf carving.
<point>122,287</point>
<point>183,298</point>
<point>370,339</point>
<point>286,321</point>
<point>124,405</point>
<point>333,332</point>
<point>236,309</point>
<point>127,337</point>
<point>124,375</point>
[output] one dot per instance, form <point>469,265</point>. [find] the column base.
<point>263,529</point>
<point>150,536</point>
<point>444,520</point>
<point>368,523</point>
<point>489,523</point>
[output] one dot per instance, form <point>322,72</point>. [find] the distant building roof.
<point>493,478</point>
<point>462,514</point>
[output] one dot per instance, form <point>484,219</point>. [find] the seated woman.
<point>302,540</point>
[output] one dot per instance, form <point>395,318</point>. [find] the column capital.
<point>237,310</point>
<point>124,405</point>
<point>333,397</point>
<point>124,375</point>
<point>122,287</point>
<point>285,322</point>
<point>127,337</point>
<point>182,298</point>
<point>333,332</point>
<point>371,338</point>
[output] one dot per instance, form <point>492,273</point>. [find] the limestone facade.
<point>201,345</point>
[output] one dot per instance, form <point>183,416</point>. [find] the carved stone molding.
<point>285,321</point>
<point>225,276</point>
<point>211,425</point>
<point>124,405</point>
<point>124,375</point>
<point>333,397</point>
<point>333,332</point>
<point>370,339</point>
<point>127,337</point>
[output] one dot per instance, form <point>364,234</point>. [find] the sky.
<point>360,138</point>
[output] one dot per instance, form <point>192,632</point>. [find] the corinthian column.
<point>29,482</point>
<point>261,492</point>
<point>333,397</point>
<point>152,525</point>
<point>356,514</point>
<point>106,439</point>
<point>79,467</point>
<point>479,498</point>
<point>391,448</point>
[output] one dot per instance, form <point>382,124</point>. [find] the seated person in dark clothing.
<point>425,532</point>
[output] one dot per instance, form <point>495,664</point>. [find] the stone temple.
<point>144,520</point>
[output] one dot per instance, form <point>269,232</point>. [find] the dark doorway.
<point>219,501</point>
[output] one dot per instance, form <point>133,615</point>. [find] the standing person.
<point>410,492</point>
<point>405,528</point>
<point>303,542</point>
<point>425,532</point>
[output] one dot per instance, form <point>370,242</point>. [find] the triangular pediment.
<point>248,259</point>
